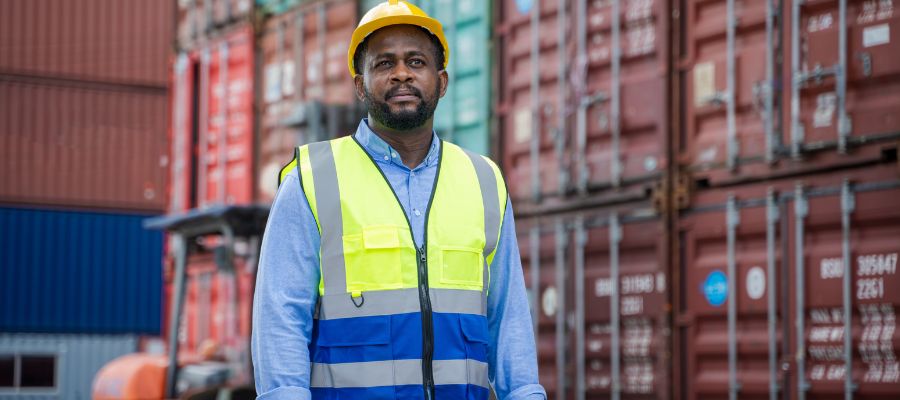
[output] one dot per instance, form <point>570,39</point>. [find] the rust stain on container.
<point>82,146</point>
<point>622,92</point>
<point>99,40</point>
<point>306,93</point>
<point>808,230</point>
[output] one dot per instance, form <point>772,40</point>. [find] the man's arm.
<point>513,357</point>
<point>286,292</point>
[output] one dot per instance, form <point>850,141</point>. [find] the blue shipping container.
<point>78,272</point>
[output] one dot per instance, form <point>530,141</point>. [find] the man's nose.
<point>401,73</point>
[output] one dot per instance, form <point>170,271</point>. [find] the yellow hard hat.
<point>394,12</point>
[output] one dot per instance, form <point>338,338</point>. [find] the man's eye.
<point>382,63</point>
<point>417,62</point>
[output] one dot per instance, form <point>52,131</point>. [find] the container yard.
<point>704,190</point>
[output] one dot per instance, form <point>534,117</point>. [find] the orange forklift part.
<point>132,377</point>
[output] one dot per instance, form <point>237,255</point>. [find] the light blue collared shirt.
<point>288,278</point>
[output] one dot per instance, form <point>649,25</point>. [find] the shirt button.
<point>386,158</point>
<point>394,155</point>
<point>418,214</point>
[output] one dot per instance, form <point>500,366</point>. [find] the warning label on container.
<point>876,35</point>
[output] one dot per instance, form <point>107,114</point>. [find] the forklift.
<point>232,235</point>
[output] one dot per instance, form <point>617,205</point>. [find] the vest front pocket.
<point>374,259</point>
<point>462,267</point>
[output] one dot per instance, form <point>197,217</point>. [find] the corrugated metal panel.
<point>591,338</point>
<point>766,91</point>
<point>78,272</point>
<point>583,103</point>
<point>463,114</point>
<point>79,358</point>
<point>781,263</point>
<point>225,158</point>
<point>100,40</point>
<point>299,106</point>
<point>89,146</point>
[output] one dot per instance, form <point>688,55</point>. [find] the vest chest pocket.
<point>462,267</point>
<point>375,259</point>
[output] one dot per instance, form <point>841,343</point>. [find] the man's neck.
<point>412,145</point>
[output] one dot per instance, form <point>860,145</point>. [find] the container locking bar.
<point>732,220</point>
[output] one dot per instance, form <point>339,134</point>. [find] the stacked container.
<point>83,89</point>
<point>704,194</point>
<point>787,177</point>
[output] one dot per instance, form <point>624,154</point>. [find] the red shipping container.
<point>86,146</point>
<point>226,141</point>
<point>304,99</point>
<point>775,263</point>
<point>764,94</point>
<point>583,102</point>
<point>595,336</point>
<point>97,40</point>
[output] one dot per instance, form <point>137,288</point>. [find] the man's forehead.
<point>400,34</point>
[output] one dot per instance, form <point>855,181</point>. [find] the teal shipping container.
<point>463,116</point>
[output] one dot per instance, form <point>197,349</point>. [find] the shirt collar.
<point>381,151</point>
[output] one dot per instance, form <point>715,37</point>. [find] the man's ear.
<point>444,80</point>
<point>360,84</point>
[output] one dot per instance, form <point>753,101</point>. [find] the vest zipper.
<point>422,263</point>
<point>427,325</point>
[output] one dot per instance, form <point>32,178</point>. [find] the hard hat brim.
<point>363,31</point>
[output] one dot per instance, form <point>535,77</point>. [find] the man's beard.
<point>404,120</point>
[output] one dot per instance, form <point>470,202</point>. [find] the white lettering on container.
<point>831,268</point>
<point>876,264</point>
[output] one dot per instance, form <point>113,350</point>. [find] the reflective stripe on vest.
<point>398,372</point>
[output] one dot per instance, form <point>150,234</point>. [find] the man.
<point>389,267</point>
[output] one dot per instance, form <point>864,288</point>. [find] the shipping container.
<point>56,367</point>
<point>304,99</point>
<point>78,272</point>
<point>95,40</point>
<point>583,104</point>
<point>785,287</point>
<point>772,88</point>
<point>82,145</point>
<point>213,122</point>
<point>599,285</point>
<point>464,114</point>
<point>199,20</point>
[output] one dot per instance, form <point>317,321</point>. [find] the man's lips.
<point>403,95</point>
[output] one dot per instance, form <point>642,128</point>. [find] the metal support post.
<point>732,220</point>
<point>535,145</point>
<point>771,311</point>
<point>848,204</point>
<point>562,241</point>
<point>180,249</point>
<point>769,123</point>
<point>797,134</point>
<point>581,110</point>
<point>580,242</point>
<point>731,26</point>
<point>615,95</point>
<point>844,124</point>
<point>562,79</point>
<point>800,211</point>
<point>615,237</point>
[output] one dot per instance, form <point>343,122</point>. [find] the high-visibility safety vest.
<point>395,321</point>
